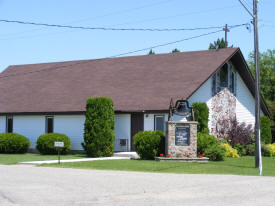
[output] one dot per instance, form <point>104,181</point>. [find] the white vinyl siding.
<point>245,104</point>
<point>29,126</point>
<point>203,94</point>
<point>2,124</point>
<point>72,126</point>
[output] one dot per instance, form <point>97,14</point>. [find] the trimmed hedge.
<point>45,143</point>
<point>265,125</point>
<point>201,113</point>
<point>149,144</point>
<point>99,127</point>
<point>13,143</point>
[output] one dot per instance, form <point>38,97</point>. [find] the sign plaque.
<point>182,137</point>
<point>59,144</point>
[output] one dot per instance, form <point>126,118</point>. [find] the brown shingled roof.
<point>134,83</point>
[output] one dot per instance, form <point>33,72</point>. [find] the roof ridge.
<point>136,56</point>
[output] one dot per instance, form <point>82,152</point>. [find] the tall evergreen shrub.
<point>201,113</point>
<point>99,127</point>
<point>265,130</point>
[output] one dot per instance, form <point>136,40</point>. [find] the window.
<point>224,78</point>
<point>49,124</point>
<point>232,84</point>
<point>159,123</point>
<point>9,124</point>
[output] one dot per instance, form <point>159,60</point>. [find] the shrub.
<point>149,144</point>
<point>265,130</point>
<point>99,127</point>
<point>215,152</point>
<point>45,143</point>
<point>241,149</point>
<point>271,107</point>
<point>201,113</point>
<point>235,132</point>
<point>250,149</point>
<point>229,151</point>
<point>266,151</point>
<point>13,143</point>
<point>205,140</point>
<point>271,147</point>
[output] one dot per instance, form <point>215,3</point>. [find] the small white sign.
<point>59,144</point>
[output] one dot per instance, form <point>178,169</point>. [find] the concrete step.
<point>132,155</point>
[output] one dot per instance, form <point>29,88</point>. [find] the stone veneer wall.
<point>223,107</point>
<point>178,151</point>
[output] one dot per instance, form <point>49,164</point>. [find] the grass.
<point>8,159</point>
<point>234,166</point>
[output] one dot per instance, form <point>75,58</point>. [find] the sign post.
<point>59,145</point>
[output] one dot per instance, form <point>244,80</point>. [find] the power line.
<point>104,15</point>
<point>121,54</point>
<point>106,28</point>
<point>165,44</point>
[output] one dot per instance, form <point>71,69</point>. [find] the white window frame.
<point>155,122</point>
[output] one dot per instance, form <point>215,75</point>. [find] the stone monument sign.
<point>181,138</point>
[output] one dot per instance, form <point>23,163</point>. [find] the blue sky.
<point>25,44</point>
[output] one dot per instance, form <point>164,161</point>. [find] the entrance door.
<point>137,125</point>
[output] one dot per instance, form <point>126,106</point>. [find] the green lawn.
<point>235,166</point>
<point>8,159</point>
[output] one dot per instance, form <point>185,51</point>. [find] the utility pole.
<point>225,31</point>
<point>258,159</point>
<point>258,156</point>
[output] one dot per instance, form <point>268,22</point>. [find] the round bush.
<point>215,153</point>
<point>204,141</point>
<point>13,143</point>
<point>45,143</point>
<point>149,144</point>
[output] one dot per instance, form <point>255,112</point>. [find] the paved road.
<point>35,186</point>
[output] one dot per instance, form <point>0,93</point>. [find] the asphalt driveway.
<point>29,185</point>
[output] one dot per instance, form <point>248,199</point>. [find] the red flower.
<point>203,155</point>
<point>168,155</point>
<point>200,156</point>
<point>161,155</point>
<point>199,153</point>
